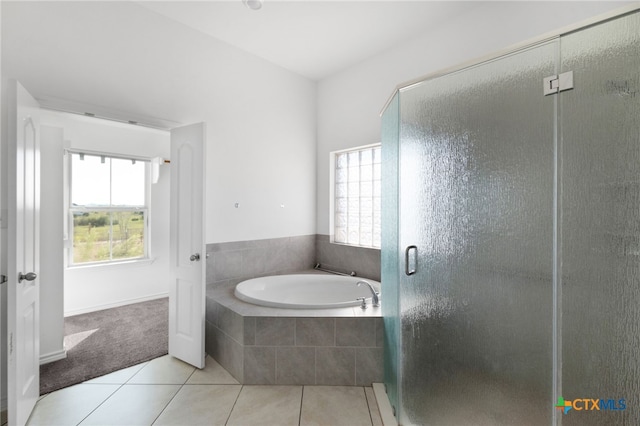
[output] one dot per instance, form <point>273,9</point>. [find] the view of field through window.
<point>108,205</point>
<point>100,236</point>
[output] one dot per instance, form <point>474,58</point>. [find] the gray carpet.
<point>105,341</point>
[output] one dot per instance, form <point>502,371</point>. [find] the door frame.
<point>161,125</point>
<point>23,361</point>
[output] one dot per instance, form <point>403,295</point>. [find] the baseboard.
<point>115,305</point>
<point>53,356</point>
<point>386,412</point>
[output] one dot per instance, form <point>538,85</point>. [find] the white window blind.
<point>356,196</point>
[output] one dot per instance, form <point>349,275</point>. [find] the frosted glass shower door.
<point>476,200</point>
<point>389,253</point>
<point>600,183</point>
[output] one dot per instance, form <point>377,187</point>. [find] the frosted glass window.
<point>356,197</point>
<point>108,209</point>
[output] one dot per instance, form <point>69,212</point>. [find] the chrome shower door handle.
<point>195,257</point>
<point>407,251</point>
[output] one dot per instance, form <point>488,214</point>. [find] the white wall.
<point>51,274</point>
<point>94,287</point>
<point>3,245</point>
<point>121,57</point>
<point>349,103</point>
<point>260,118</point>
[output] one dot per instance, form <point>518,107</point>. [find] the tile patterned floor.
<point>166,391</point>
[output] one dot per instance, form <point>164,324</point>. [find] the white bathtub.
<point>305,291</point>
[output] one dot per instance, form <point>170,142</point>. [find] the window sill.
<point>109,265</point>
<point>354,245</point>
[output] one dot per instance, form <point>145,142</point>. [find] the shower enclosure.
<point>511,236</point>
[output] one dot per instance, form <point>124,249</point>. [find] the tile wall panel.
<point>297,351</point>
<point>365,262</point>
<point>287,350</point>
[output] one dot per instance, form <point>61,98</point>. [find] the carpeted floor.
<point>104,341</point>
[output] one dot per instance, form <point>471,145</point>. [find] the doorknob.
<point>195,257</point>
<point>30,276</point>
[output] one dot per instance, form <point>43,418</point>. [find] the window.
<point>356,196</point>
<point>109,209</point>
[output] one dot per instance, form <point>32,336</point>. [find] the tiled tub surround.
<point>261,345</point>
<point>241,260</point>
<point>343,258</point>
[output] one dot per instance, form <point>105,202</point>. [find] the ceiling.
<point>312,38</point>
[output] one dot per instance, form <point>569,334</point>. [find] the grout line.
<point>315,365</point>
<point>355,366</point>
<point>168,402</point>
<point>234,405</point>
<point>194,371</point>
<point>295,331</point>
<point>301,400</point>
<point>146,364</point>
<point>368,404</point>
<point>275,367</point>
<point>334,332</point>
<point>102,403</point>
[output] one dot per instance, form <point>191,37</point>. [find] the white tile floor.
<point>166,391</point>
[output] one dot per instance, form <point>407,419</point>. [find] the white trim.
<point>95,112</point>
<point>89,209</point>
<point>331,241</point>
<point>357,148</point>
<point>332,195</point>
<point>107,155</point>
<point>386,413</point>
<point>125,263</point>
<point>115,305</point>
<point>53,356</point>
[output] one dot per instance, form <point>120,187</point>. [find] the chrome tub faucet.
<point>375,299</point>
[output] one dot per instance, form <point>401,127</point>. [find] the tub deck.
<point>264,345</point>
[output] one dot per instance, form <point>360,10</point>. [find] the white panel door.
<point>187,289</point>
<point>23,324</point>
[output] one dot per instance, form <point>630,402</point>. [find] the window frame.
<point>332,197</point>
<point>71,209</point>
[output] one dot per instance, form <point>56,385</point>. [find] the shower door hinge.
<point>558,83</point>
